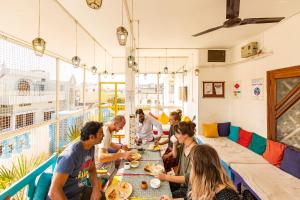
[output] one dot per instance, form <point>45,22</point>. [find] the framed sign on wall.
<point>213,89</point>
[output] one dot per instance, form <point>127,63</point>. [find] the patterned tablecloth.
<point>135,176</point>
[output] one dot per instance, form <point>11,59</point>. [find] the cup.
<point>144,141</point>
<point>173,139</point>
<point>127,165</point>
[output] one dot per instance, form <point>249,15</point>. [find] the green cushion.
<point>258,144</point>
<point>234,133</point>
<point>42,186</point>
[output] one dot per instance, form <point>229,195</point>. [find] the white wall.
<point>283,40</point>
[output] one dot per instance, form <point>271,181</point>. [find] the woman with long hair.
<point>208,179</point>
<point>168,159</point>
<point>184,132</point>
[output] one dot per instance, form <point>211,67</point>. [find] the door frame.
<point>272,105</point>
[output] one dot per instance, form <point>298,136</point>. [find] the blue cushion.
<point>234,133</point>
<point>258,144</point>
<point>42,186</point>
<point>291,162</point>
<point>224,129</point>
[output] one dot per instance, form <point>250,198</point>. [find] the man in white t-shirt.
<point>103,156</point>
<point>145,127</point>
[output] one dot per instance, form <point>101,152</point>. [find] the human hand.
<point>125,148</point>
<point>165,197</point>
<point>156,142</point>
<point>96,194</point>
<point>161,176</point>
<point>127,155</point>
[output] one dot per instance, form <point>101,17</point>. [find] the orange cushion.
<point>244,138</point>
<point>210,130</point>
<point>274,152</point>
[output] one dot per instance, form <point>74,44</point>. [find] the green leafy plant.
<point>73,132</point>
<point>19,168</point>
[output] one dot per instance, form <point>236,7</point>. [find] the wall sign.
<point>237,89</point>
<point>257,88</point>
<point>213,89</point>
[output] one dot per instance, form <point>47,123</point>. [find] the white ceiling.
<point>170,23</point>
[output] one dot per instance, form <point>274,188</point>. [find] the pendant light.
<point>39,44</point>
<point>166,66</point>
<point>173,75</point>
<point>105,71</point>
<point>94,68</point>
<point>197,72</point>
<point>130,61</point>
<point>122,33</point>
<point>94,4</point>
<point>76,59</point>
<point>185,72</point>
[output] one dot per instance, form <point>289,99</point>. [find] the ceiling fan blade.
<point>232,9</point>
<point>261,20</point>
<point>207,31</point>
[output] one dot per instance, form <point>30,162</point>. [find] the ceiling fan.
<point>232,16</point>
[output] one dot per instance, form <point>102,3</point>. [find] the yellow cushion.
<point>163,118</point>
<point>210,130</point>
<point>185,119</point>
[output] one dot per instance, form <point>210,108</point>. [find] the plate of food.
<point>135,156</point>
<point>154,168</point>
<point>153,147</point>
<point>134,163</point>
<point>120,191</point>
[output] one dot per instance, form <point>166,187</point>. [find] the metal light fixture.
<point>39,44</point>
<point>105,73</point>
<point>185,72</point>
<point>94,70</point>
<point>130,61</point>
<point>166,70</point>
<point>76,59</point>
<point>113,75</point>
<point>173,75</point>
<point>122,33</point>
<point>135,66</point>
<point>197,72</point>
<point>94,4</point>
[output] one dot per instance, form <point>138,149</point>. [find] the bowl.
<point>141,150</point>
<point>134,164</point>
<point>155,183</point>
<point>127,165</point>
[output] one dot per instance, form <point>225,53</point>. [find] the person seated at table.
<point>168,159</point>
<point>75,164</point>
<point>208,179</point>
<point>184,132</point>
<point>104,158</point>
<point>145,127</point>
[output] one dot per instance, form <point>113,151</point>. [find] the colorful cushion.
<point>258,144</point>
<point>291,162</point>
<point>224,129</point>
<point>42,186</point>
<point>163,118</point>
<point>210,130</point>
<point>234,133</point>
<point>274,152</point>
<point>244,138</point>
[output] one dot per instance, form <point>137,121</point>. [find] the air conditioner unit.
<point>250,49</point>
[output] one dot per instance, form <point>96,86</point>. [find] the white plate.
<point>155,183</point>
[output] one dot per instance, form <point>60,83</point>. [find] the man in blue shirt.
<point>75,165</point>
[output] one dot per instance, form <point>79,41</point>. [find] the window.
<point>47,115</point>
<point>5,122</point>
<point>24,120</point>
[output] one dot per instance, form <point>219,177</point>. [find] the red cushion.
<point>274,152</point>
<point>244,138</point>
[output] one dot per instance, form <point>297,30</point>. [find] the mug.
<point>127,165</point>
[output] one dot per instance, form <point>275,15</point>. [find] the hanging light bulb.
<point>76,59</point>
<point>145,76</point>
<point>122,33</point>
<point>105,73</point>
<point>166,70</point>
<point>173,75</point>
<point>94,70</point>
<point>39,44</point>
<point>135,65</point>
<point>197,72</point>
<point>185,72</point>
<point>130,61</point>
<point>113,75</point>
<point>94,4</point>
